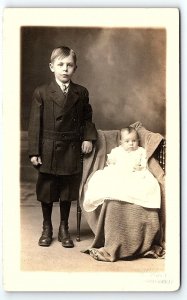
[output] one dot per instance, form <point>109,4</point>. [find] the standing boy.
<point>60,129</point>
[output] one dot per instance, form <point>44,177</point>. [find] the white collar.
<point>61,83</point>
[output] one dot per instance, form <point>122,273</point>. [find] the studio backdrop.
<point>124,70</point>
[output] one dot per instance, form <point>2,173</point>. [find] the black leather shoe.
<point>64,237</point>
<point>46,237</point>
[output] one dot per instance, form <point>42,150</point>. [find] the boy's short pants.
<point>51,188</point>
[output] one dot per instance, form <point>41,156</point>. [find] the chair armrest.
<point>160,154</point>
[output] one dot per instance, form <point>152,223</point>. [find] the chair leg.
<point>79,212</point>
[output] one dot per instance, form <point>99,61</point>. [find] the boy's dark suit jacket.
<point>58,125</point>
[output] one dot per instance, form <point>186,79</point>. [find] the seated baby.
<point>125,177</point>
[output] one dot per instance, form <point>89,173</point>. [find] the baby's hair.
<point>129,130</point>
<point>63,51</point>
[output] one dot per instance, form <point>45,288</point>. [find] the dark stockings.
<point>64,235</point>
<point>47,212</point>
<point>64,211</point>
<point>47,233</point>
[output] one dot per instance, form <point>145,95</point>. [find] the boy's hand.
<point>87,147</point>
<point>36,161</point>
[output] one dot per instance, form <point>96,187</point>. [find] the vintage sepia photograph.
<point>92,139</point>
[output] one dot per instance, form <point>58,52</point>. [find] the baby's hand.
<point>138,168</point>
<point>36,161</point>
<point>110,162</point>
<point>87,147</point>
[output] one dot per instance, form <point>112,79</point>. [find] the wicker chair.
<point>160,155</point>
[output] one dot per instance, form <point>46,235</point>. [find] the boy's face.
<point>129,141</point>
<point>63,68</point>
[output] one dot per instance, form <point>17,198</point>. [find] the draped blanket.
<point>123,230</point>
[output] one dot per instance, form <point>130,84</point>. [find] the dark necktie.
<point>64,89</point>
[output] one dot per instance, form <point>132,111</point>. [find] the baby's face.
<point>63,68</point>
<point>129,141</point>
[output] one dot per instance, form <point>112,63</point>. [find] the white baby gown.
<point>120,181</point>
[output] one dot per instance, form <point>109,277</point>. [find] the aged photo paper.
<point>128,59</point>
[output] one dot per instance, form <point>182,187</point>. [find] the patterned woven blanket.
<point>124,230</point>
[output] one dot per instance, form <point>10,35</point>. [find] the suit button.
<point>59,119</point>
<point>58,146</point>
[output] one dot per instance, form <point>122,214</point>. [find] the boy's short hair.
<point>63,51</point>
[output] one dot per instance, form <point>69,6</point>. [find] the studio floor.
<point>60,259</point>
